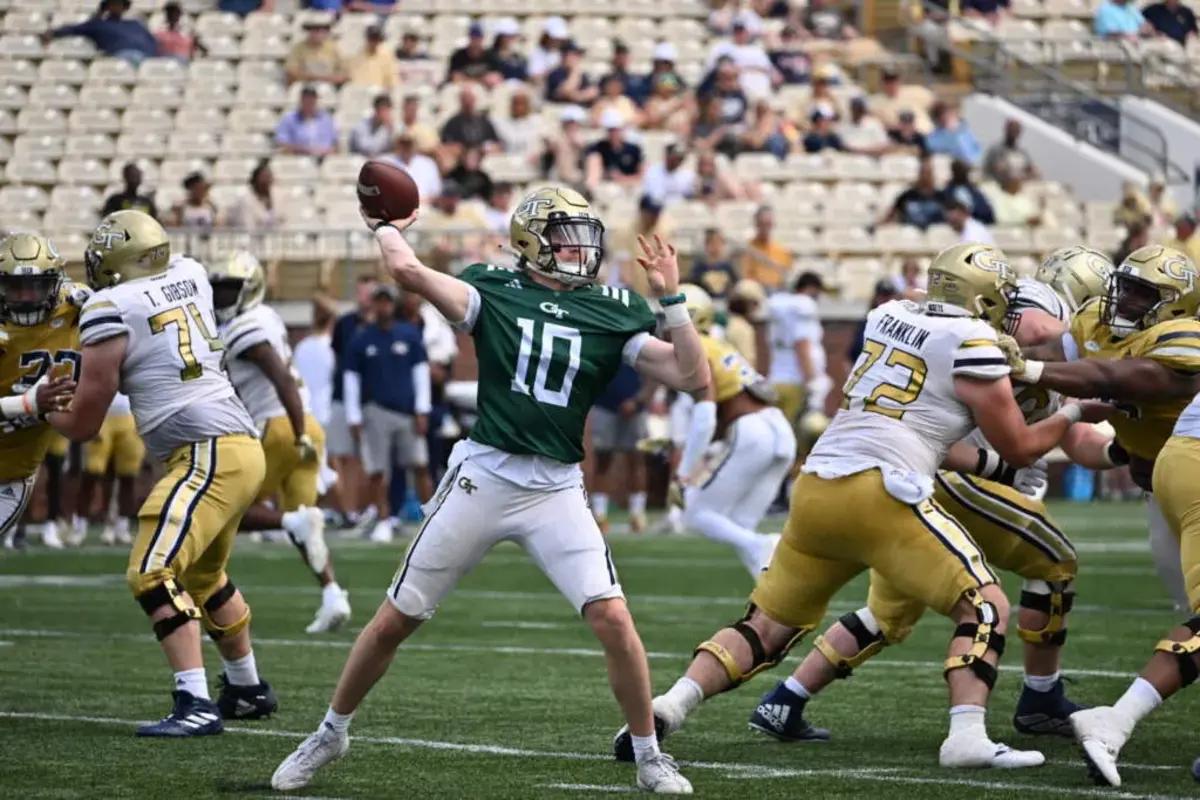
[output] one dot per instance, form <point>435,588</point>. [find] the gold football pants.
<point>292,481</point>
<point>117,443</point>
<point>1177,490</point>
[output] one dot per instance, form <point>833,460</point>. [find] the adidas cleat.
<point>246,702</point>
<point>191,716</point>
<point>1045,713</point>
<point>780,714</point>
<point>320,748</point>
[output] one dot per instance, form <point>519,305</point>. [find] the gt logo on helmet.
<point>1180,270</point>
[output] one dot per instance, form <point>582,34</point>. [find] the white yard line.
<point>588,787</point>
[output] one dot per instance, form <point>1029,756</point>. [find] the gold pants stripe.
<point>970,494</point>
<point>956,539</point>
<point>186,494</point>
<point>22,504</point>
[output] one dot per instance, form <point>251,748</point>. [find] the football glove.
<point>1024,370</point>
<point>78,294</point>
<point>1027,480</point>
<point>306,448</point>
<point>675,494</point>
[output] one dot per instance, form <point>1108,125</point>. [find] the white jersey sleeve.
<point>1040,296</point>
<point>259,325</point>
<point>100,319</point>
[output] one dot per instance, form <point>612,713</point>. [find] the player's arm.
<point>98,382</point>
<point>1117,379</point>
<point>263,356</point>
<point>681,363</point>
<point>449,295</point>
<point>1090,448</point>
<point>702,426</point>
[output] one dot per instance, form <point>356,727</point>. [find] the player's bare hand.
<point>399,224</point>
<point>54,394</point>
<point>421,424</point>
<point>1095,411</point>
<point>306,449</point>
<point>661,265</point>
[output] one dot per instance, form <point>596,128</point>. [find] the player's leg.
<point>1164,549</point>
<point>378,459</point>
<point>96,456</point>
<point>413,452</point>
<point>128,454</point>
<point>602,427</point>
<point>54,466</point>
<point>14,499</point>
<point>629,431</point>
<point>1103,731</point>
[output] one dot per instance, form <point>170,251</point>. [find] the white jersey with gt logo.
<point>178,391</point>
<point>900,413</point>
<point>259,324</point>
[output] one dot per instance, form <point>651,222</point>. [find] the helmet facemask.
<point>570,248</point>
<point>227,297</point>
<point>29,298</point>
<point>1133,303</point>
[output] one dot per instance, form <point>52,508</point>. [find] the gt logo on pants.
<point>465,484</point>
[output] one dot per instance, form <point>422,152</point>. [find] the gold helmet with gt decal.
<point>555,233</point>
<point>699,306</point>
<point>126,245</point>
<point>973,280</point>
<point>1077,274</point>
<point>238,283</point>
<point>31,278</point>
<point>1153,284</point>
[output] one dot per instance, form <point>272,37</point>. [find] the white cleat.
<point>1101,732</point>
<point>108,535</point>
<point>50,536</point>
<point>78,533</point>
<point>307,532</point>
<point>660,775</point>
<point>320,748</point>
<point>383,531</point>
<point>331,615</point>
<point>967,751</point>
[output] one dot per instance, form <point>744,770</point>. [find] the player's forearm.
<point>1090,448</point>
<point>448,295</point>
<point>1037,440</point>
<point>690,362</point>
<point>79,424</point>
<point>804,358</point>
<point>422,388</point>
<point>1126,379</point>
<point>289,396</point>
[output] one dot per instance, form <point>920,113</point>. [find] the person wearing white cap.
<point>756,73</point>
<point>662,62</point>
<point>613,158</point>
<point>547,53</point>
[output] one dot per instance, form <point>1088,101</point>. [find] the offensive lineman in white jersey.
<point>149,331</point>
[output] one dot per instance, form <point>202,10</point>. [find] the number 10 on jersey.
<point>569,349</point>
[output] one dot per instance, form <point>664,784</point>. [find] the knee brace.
<point>984,637</point>
<point>760,659</point>
<point>1185,652</point>
<point>1054,598</point>
<point>222,596</point>
<point>168,593</point>
<point>870,640</point>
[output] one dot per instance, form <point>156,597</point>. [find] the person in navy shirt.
<point>127,39</point>
<point>338,443</point>
<point>387,392</point>
<point>618,422</point>
<point>1171,18</point>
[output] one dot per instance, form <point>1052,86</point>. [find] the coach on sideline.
<point>387,397</point>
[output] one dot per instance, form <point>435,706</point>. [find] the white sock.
<point>1041,683</point>
<point>644,747</point>
<point>79,523</point>
<point>1139,700</point>
<point>331,593</point>
<point>968,720</point>
<point>637,503</point>
<point>339,722</point>
<point>121,526</point>
<point>686,694</point>
<point>192,681</point>
<point>242,671</point>
<point>600,505</point>
<point>796,687</point>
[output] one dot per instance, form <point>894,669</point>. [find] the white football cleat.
<point>331,615</point>
<point>1101,732</point>
<point>50,536</point>
<point>383,531</point>
<point>78,532</point>
<point>660,775</point>
<point>307,532</point>
<point>108,535</point>
<point>968,751</point>
<point>320,748</point>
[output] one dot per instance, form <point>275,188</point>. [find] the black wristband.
<point>1117,454</point>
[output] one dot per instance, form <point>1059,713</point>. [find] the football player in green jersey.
<point>548,340</point>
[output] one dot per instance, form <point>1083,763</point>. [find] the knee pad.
<point>870,640</point>
<point>1054,598</point>
<point>984,637</point>
<point>1185,652</point>
<point>168,593</point>
<point>760,659</point>
<point>222,596</point>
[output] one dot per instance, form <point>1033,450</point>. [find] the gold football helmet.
<point>1153,284</point>
<point>238,284</point>
<point>31,277</point>
<point>555,233</point>
<point>1076,273</point>
<point>974,279</point>
<point>699,306</point>
<point>125,245</point>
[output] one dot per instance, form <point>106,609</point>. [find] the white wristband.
<point>1072,411</point>
<point>12,407</point>
<point>677,315</point>
<point>382,231</point>
<point>1032,373</point>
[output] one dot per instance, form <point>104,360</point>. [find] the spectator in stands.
<point>905,137</point>
<point>960,177</point>
<point>1134,208</point>
<point>473,182</point>
<point>1007,155</point>
<point>569,82</point>
<point>662,62</point>
<point>375,134</point>
<point>824,78</point>
<point>497,214</point>
<point>308,130</point>
<point>632,86</point>
<point>764,259</point>
<point>1137,235</point>
<point>197,212</point>
<point>911,283</point>
<point>372,6</point>
<point>612,98</point>
<point>317,59</point>
<point>919,205</point>
<point>669,181</point>
<point>1015,205</point>
<point>410,47</point>
<point>894,100</point>
<point>720,19</point>
<point>958,209</point>
<point>952,136</point>
<point>1173,19</point>
<point>130,197</point>
<point>821,135</point>
<point>650,221</point>
<point>726,89</point>
<point>710,132</point>
<point>422,168</point>
<point>885,291</point>
<point>756,74</point>
<point>793,64</point>
<point>712,270</point>
<point>826,20</point>
<point>244,7</point>
<point>862,132</point>
<point>1163,209</point>
<point>547,53</point>
<point>508,63</point>
<point>990,10</point>
<point>521,131</point>
<point>565,148</point>
<point>473,61</point>
<point>715,183</point>
<point>1186,241</point>
<point>470,127</point>
<point>747,313</point>
<point>255,211</point>
<point>1120,19</point>
<point>127,39</point>
<point>424,135</point>
<point>173,41</point>
<point>667,106</point>
<point>375,65</point>
<point>465,225</point>
<point>613,158</point>
<point>767,133</point>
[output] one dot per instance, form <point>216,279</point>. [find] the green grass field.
<point>503,695</point>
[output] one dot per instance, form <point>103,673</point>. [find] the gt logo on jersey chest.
<point>553,309</point>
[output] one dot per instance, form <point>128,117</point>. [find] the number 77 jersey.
<point>545,355</point>
<point>900,409</point>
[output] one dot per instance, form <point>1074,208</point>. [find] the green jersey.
<point>544,356</point>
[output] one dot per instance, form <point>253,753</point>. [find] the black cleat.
<point>780,714</point>
<point>1045,713</point>
<point>246,702</point>
<point>191,716</point>
<point>623,741</point>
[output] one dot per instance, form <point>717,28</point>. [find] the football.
<point>386,192</point>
